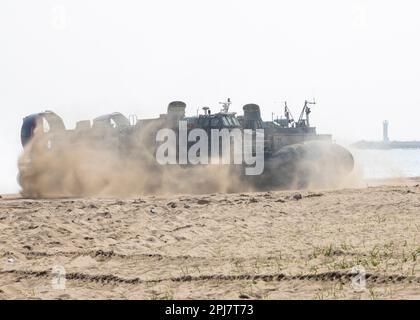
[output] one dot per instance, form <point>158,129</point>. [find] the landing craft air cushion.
<point>294,154</point>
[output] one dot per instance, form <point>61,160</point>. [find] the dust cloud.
<point>102,164</point>
<point>85,166</point>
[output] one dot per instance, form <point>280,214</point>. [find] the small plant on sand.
<point>217,252</point>
<point>414,256</point>
<point>197,268</point>
<point>334,291</point>
<point>313,269</point>
<point>372,294</point>
<point>342,265</point>
<point>413,269</point>
<point>167,295</point>
<point>328,251</point>
<point>184,271</point>
<point>278,263</point>
<point>154,296</point>
<point>347,247</point>
<point>375,252</point>
<point>257,266</point>
<point>319,295</point>
<point>237,266</point>
<point>389,292</point>
<point>357,296</point>
<point>380,219</point>
<point>265,295</point>
<point>374,262</point>
<point>262,263</point>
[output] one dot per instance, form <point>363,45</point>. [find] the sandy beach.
<point>261,245</point>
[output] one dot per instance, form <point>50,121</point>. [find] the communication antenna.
<point>288,117</point>
<point>288,113</point>
<point>225,105</point>
<point>304,115</point>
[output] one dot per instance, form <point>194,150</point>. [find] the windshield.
<point>204,122</point>
<point>233,122</point>
<point>214,122</point>
<point>236,122</point>
<point>226,123</point>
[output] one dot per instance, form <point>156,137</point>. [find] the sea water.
<point>384,164</point>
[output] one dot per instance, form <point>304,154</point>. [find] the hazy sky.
<point>81,58</point>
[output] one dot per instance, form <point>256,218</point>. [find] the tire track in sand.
<point>113,279</point>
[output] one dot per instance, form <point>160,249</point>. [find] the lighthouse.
<point>385,131</point>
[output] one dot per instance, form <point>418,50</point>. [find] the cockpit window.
<point>204,122</point>
<point>214,122</point>
<point>236,121</point>
<point>226,122</point>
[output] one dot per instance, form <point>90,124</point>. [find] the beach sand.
<point>262,245</point>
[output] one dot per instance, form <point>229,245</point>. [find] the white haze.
<point>84,58</point>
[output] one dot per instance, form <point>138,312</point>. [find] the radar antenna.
<point>206,110</point>
<point>225,105</point>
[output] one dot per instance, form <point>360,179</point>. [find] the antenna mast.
<point>225,105</point>
<point>305,113</point>
<point>288,114</point>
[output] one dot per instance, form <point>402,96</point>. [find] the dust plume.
<point>71,166</point>
<point>310,165</point>
<point>100,163</point>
